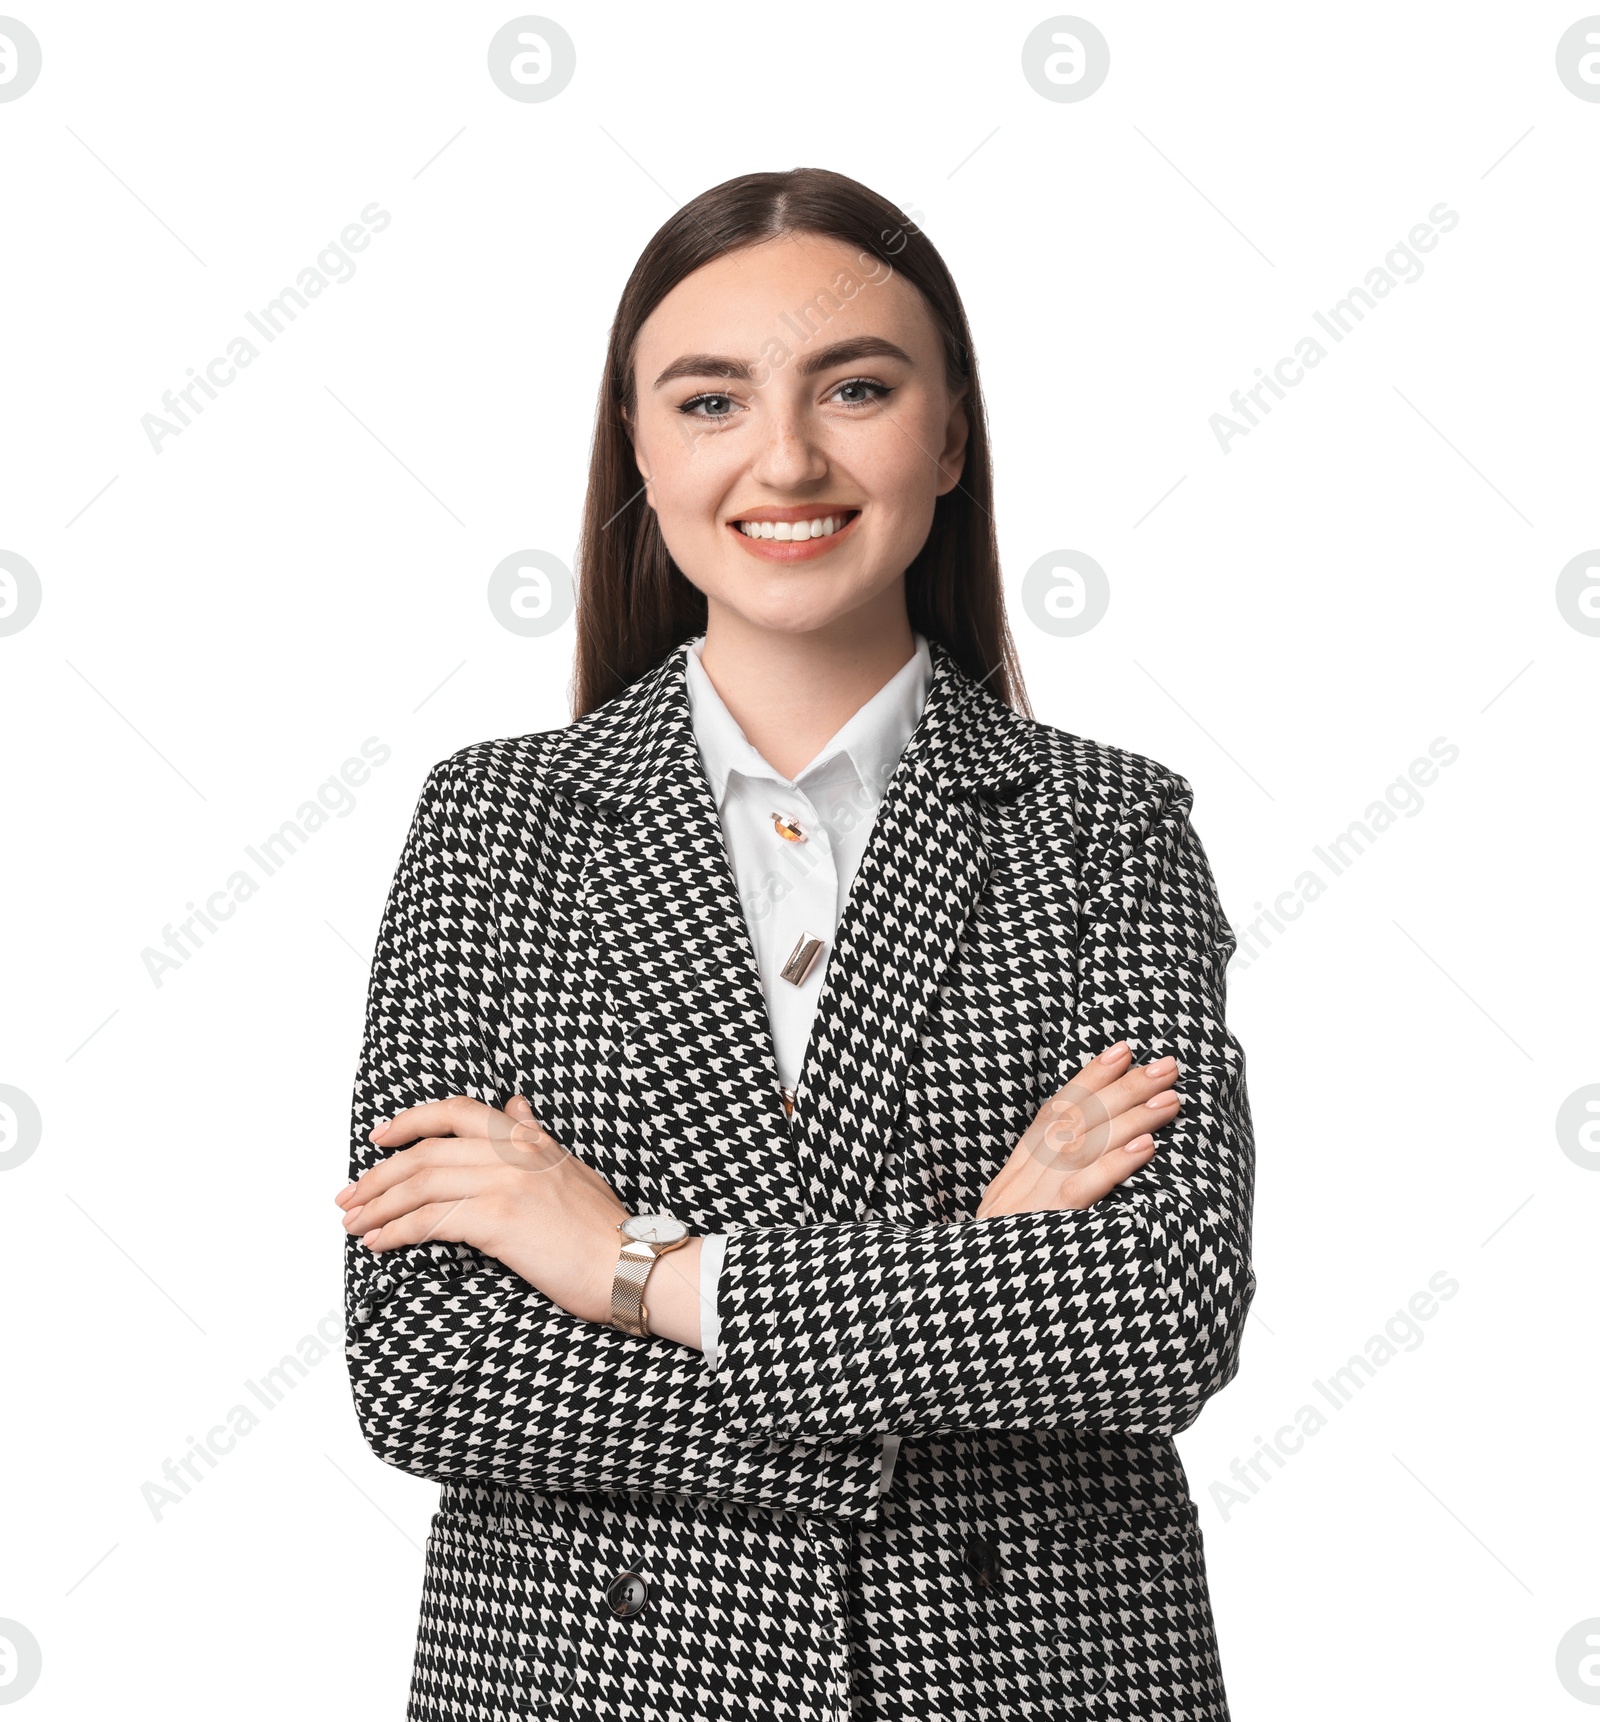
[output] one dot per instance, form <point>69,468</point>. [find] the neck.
<point>791,691</point>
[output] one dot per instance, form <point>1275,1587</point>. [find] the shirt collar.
<point>872,739</point>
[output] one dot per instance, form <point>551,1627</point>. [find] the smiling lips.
<point>793,534</point>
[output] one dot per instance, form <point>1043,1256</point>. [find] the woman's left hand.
<point>499,1182</point>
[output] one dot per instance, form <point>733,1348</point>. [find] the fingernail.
<point>351,1217</point>
<point>1161,1067</point>
<point>377,1130</point>
<point>1139,1144</point>
<point>1157,1100</point>
<point>371,1239</point>
<point>1113,1052</point>
<point>340,1198</point>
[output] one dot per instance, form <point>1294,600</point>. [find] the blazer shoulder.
<point>1116,808</point>
<point>511,765</point>
<point>1106,780</point>
<point>600,746</point>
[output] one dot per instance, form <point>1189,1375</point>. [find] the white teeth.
<point>788,531</point>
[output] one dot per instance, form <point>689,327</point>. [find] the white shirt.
<point>786,888</point>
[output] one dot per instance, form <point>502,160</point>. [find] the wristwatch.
<point>644,1238</point>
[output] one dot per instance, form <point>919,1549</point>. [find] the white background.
<point>305,566</point>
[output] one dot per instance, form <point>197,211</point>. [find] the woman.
<point>859,993</point>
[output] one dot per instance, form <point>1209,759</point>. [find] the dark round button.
<point>982,1560</point>
<point>626,1595</point>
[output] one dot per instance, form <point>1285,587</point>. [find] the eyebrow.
<point>840,353</point>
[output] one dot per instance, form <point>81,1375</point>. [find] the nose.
<point>790,454</point>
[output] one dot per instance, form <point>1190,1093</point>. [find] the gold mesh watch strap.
<point>627,1290</point>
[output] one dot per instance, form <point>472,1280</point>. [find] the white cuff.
<point>711,1253</point>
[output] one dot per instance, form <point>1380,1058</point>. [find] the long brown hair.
<point>633,603</point>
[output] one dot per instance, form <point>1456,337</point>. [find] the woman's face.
<point>749,410</point>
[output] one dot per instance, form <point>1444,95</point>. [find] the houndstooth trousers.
<point>624,1533</point>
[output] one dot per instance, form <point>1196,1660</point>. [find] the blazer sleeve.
<point>459,1368</point>
<point>1123,1317</point>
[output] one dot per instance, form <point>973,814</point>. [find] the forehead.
<point>801,289</point>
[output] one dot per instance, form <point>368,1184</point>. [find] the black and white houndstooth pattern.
<point>564,924</point>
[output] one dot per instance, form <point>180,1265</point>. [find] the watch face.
<point>654,1228</point>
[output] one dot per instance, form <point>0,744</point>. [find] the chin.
<point>781,618</point>
<point>761,602</point>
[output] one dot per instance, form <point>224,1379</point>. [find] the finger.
<point>1073,1125</point>
<point>457,1116</point>
<point>428,1184</point>
<point>1107,1086</point>
<point>1065,1149</point>
<point>1083,1189</point>
<point>405,1162</point>
<point>1097,1075</point>
<point>1105,1068</point>
<point>1127,1128</point>
<point>1078,1123</point>
<point>437,1222</point>
<point>1134,1086</point>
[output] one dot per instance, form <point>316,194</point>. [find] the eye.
<point>688,409</point>
<point>881,391</point>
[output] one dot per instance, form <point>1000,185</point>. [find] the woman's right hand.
<point>1087,1137</point>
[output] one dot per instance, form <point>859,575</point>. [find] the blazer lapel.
<point>923,872</point>
<point>923,869</point>
<point>702,1101</point>
<point>682,973</point>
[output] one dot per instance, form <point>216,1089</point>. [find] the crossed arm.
<point>1122,1313</point>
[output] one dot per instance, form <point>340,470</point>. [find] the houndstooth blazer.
<point>624,1533</point>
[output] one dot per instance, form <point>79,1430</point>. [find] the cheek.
<point>901,464</point>
<point>686,473</point>
<point>903,486</point>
